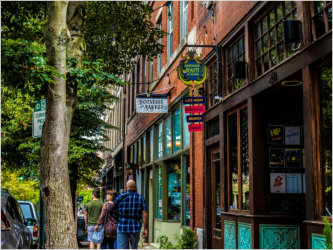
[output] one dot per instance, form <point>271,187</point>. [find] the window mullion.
<point>239,161</point>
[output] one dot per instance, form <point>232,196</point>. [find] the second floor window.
<point>270,48</point>
<point>235,52</point>
<point>159,57</point>
<point>184,19</point>
<point>211,85</point>
<point>321,12</point>
<point>170,29</point>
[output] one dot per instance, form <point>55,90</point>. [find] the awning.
<point>104,171</point>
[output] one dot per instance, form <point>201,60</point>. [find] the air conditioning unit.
<point>208,4</point>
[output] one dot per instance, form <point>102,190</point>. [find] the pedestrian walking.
<point>110,227</point>
<point>131,208</point>
<point>91,215</point>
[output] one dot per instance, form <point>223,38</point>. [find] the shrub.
<point>327,233</point>
<point>186,240</point>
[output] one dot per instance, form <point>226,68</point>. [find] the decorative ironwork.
<point>244,236</point>
<point>229,235</point>
<point>279,237</point>
<point>318,241</point>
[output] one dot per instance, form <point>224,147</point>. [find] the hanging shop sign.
<point>151,105</point>
<point>194,100</point>
<point>195,127</point>
<point>195,109</point>
<point>192,72</point>
<point>38,118</point>
<point>194,118</point>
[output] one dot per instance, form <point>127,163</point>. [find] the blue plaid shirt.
<point>130,206</point>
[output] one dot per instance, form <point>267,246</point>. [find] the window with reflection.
<point>151,144</point>
<point>325,85</point>
<point>139,153</point>
<point>270,47</point>
<point>167,136</point>
<point>186,133</point>
<point>211,85</point>
<point>235,52</point>
<point>177,136</point>
<point>217,188</point>
<point>187,195</point>
<point>238,160</point>
<point>159,192</point>
<point>170,29</point>
<point>159,56</point>
<point>160,140</point>
<point>174,191</point>
<point>135,154</point>
<point>144,149</point>
<point>321,12</point>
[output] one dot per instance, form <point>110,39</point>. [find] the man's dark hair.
<point>96,193</point>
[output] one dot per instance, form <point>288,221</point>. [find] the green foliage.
<point>118,43</point>
<point>327,233</point>
<point>186,240</point>
<point>25,189</point>
<point>86,193</point>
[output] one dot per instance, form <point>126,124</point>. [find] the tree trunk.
<point>60,104</point>
<point>73,182</point>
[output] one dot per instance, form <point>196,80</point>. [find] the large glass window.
<point>135,154</point>
<point>235,52</point>
<point>139,153</point>
<point>186,133</point>
<point>160,141</point>
<point>144,150</point>
<point>321,17</point>
<point>187,194</point>
<point>238,160</point>
<point>211,85</point>
<point>159,192</point>
<point>170,29</point>
<point>270,48</point>
<point>167,136</point>
<point>177,143</point>
<point>151,144</point>
<point>151,64</point>
<point>174,192</point>
<point>184,19</point>
<point>325,74</point>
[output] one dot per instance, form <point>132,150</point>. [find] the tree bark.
<point>60,104</point>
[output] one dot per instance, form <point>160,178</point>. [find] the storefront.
<point>161,153</point>
<point>268,142</point>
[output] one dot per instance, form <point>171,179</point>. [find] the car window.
<point>14,209</point>
<point>27,210</point>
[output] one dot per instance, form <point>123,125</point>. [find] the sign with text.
<point>151,105</point>
<point>195,127</point>
<point>195,109</point>
<point>194,100</point>
<point>38,118</point>
<point>194,118</point>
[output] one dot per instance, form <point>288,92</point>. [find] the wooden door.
<point>215,206</point>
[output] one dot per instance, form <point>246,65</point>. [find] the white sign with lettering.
<point>151,105</point>
<point>38,118</point>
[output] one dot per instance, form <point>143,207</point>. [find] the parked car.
<point>14,232</point>
<point>29,212</point>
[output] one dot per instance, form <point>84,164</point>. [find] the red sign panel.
<point>195,127</point>
<point>195,109</point>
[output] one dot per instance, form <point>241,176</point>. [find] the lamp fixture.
<point>292,31</point>
<point>240,69</point>
<point>292,83</point>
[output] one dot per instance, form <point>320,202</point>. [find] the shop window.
<point>160,141</point>
<point>235,52</point>
<point>238,160</point>
<point>139,152</point>
<point>321,12</point>
<point>167,136</point>
<point>213,128</point>
<point>177,144</point>
<point>159,192</point>
<point>144,150</point>
<point>151,64</point>
<point>174,191</point>
<point>325,74</point>
<point>187,194</point>
<point>270,48</point>
<point>151,145</point>
<point>144,74</point>
<point>170,29</point>
<point>186,133</point>
<point>211,85</point>
<point>135,154</point>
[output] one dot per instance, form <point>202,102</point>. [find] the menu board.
<point>293,157</point>
<point>276,157</point>
<point>275,134</point>
<point>294,183</point>
<point>278,182</point>
<point>292,135</point>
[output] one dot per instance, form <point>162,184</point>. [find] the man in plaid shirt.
<point>131,208</point>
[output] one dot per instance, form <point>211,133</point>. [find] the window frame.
<point>327,4</point>
<point>159,56</point>
<point>210,86</point>
<point>170,30</point>
<point>239,163</point>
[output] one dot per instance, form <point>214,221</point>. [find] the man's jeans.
<point>128,240</point>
